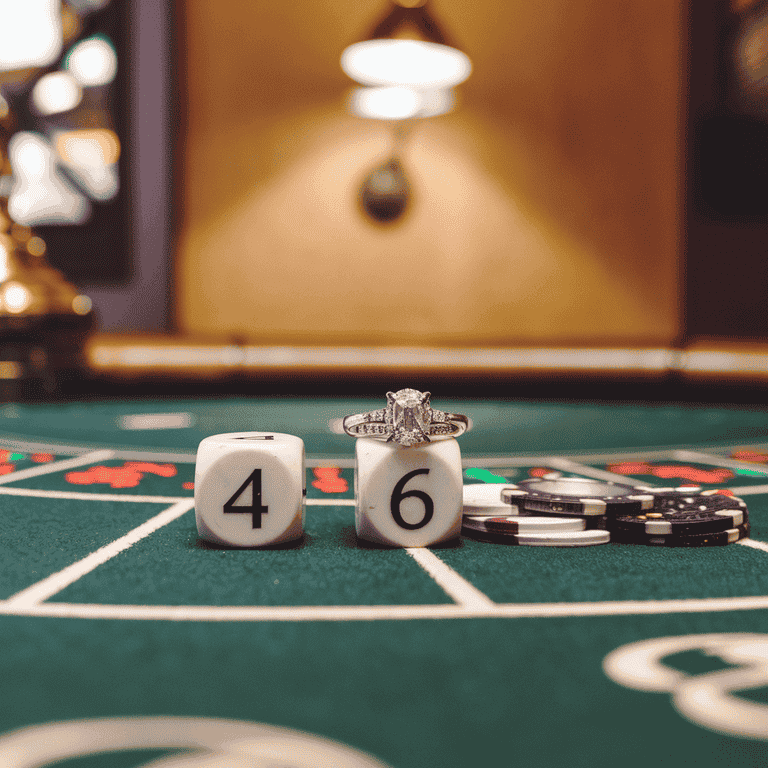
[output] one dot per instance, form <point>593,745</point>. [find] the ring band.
<point>407,419</point>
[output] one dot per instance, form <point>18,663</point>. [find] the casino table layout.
<point>128,641</point>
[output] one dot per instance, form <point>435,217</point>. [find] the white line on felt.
<point>330,502</point>
<point>761,545</point>
<point>81,496</point>
<point>599,474</point>
<point>57,466</point>
<point>54,583</point>
<point>182,457</point>
<point>342,462</point>
<point>144,421</point>
<point>748,490</point>
<point>455,586</point>
<point>383,612</point>
<point>504,461</point>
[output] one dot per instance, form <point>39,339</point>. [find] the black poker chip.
<point>715,539</point>
<point>576,496</point>
<point>684,511</point>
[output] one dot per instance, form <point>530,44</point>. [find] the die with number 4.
<point>250,488</point>
<point>407,497</point>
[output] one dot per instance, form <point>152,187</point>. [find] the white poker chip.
<point>515,524</point>
<point>554,539</point>
<point>485,498</point>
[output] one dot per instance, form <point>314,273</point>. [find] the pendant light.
<point>403,80</point>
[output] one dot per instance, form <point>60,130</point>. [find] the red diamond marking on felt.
<point>631,468</point>
<point>188,486</point>
<point>127,476</point>
<point>115,477</point>
<point>758,457</point>
<point>42,458</point>
<point>329,480</point>
<point>163,470</point>
<point>539,471</point>
<point>6,469</point>
<point>672,471</point>
<point>694,474</point>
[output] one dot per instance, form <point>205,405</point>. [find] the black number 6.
<point>398,496</point>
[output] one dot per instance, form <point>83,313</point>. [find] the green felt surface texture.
<point>499,427</point>
<point>41,536</point>
<point>414,692</point>
<point>328,567</point>
<point>456,693</point>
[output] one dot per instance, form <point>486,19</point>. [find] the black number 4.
<point>256,508</point>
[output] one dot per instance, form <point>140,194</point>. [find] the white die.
<point>250,488</point>
<point>407,497</point>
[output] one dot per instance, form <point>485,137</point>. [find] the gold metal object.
<point>44,319</point>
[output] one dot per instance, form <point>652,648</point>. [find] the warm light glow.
<point>40,193</point>
<point>754,49</point>
<point>405,62</point>
<point>28,155</point>
<point>5,267</point>
<point>91,155</point>
<point>437,102</point>
<point>394,103</point>
<point>16,297</point>
<point>81,305</point>
<point>30,33</point>
<point>98,146</point>
<point>20,233</point>
<point>93,61</point>
<point>56,92</point>
<point>36,246</point>
<point>11,369</point>
<point>400,103</point>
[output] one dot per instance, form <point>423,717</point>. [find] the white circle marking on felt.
<point>246,744</point>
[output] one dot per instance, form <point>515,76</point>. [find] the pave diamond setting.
<point>408,419</point>
<point>409,415</point>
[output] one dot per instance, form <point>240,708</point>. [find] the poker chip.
<point>576,496</point>
<point>685,511</point>
<point>591,522</point>
<point>484,498</point>
<point>517,524</point>
<point>541,539</point>
<point>715,539</point>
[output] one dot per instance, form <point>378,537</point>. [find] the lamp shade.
<point>399,102</point>
<point>412,63</point>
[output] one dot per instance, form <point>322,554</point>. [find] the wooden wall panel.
<point>545,208</point>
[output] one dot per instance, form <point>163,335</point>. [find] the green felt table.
<point>469,653</point>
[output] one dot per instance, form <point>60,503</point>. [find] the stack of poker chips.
<point>574,511</point>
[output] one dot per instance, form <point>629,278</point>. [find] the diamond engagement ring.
<point>408,419</point>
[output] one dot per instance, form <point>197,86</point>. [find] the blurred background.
<point>596,185</point>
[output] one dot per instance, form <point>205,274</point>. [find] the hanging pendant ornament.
<point>385,192</point>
